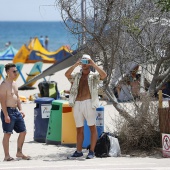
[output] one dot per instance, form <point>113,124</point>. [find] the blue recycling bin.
<point>41,118</point>
<point>99,126</point>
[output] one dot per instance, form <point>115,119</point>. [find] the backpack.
<point>48,89</point>
<point>102,147</point>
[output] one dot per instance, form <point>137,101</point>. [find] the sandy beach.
<point>46,151</point>
<point>45,156</point>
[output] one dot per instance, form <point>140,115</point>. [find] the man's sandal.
<point>9,159</point>
<point>24,158</point>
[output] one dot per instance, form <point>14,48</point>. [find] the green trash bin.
<point>55,123</point>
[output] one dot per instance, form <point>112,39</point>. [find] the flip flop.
<point>9,159</point>
<point>24,158</point>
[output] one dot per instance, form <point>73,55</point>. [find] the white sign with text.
<point>100,118</point>
<point>45,110</point>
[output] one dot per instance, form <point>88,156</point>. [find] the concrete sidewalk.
<point>121,163</point>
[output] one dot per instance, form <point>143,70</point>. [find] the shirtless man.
<point>84,99</point>
<point>12,118</point>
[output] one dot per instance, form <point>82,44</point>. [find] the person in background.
<point>46,42</point>
<point>135,87</point>
<point>166,92</point>
<point>124,91</point>
<point>30,40</point>
<point>8,44</point>
<point>11,113</point>
<point>42,40</point>
<point>84,99</point>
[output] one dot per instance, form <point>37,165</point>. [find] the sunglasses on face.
<point>15,71</point>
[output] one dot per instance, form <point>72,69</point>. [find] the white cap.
<point>85,56</point>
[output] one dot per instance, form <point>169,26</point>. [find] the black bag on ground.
<point>48,89</point>
<point>102,147</point>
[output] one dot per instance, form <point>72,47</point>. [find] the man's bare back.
<point>83,91</point>
<point>11,93</point>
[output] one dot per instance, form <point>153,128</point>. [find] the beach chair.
<point>36,69</point>
<point>1,71</point>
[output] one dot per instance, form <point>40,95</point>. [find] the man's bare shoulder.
<point>3,87</point>
<point>3,84</point>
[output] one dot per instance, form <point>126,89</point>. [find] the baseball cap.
<point>85,56</point>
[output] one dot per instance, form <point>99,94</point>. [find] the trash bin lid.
<point>100,108</point>
<point>66,105</point>
<point>59,102</point>
<point>44,100</point>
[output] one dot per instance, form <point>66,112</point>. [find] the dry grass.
<point>145,135</point>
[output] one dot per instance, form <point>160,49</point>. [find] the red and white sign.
<point>166,145</point>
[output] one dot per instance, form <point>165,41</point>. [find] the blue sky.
<point>29,10</point>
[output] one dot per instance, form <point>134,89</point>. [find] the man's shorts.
<point>83,110</point>
<point>17,122</point>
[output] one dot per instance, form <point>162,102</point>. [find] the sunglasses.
<point>15,71</point>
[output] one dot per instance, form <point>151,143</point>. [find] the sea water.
<point>19,33</point>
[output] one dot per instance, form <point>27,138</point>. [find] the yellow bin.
<point>68,126</point>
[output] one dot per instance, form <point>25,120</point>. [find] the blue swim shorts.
<point>17,122</point>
